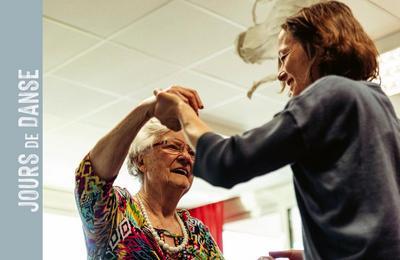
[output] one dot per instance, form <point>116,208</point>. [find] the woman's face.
<point>169,163</point>
<point>294,64</point>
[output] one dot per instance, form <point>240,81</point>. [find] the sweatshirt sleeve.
<point>228,161</point>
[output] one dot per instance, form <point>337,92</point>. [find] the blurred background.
<point>103,57</point>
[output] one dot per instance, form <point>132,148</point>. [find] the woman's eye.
<point>173,147</point>
<point>282,57</point>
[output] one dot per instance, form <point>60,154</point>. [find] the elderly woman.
<point>339,133</point>
<point>118,225</point>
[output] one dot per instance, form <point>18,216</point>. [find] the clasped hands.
<point>287,254</point>
<point>171,102</point>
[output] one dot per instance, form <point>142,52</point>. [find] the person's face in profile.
<point>294,64</point>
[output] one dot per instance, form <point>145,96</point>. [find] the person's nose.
<point>185,158</point>
<point>282,75</point>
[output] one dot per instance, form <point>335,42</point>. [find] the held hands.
<point>170,101</point>
<point>287,254</point>
<point>187,95</point>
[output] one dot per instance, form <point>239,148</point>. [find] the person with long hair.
<point>338,132</point>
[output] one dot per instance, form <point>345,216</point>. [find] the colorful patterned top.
<point>114,226</point>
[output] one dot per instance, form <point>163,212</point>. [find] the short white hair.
<point>145,138</point>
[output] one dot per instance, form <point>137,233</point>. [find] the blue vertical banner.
<point>21,130</point>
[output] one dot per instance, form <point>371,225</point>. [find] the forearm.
<point>193,127</point>
<point>108,155</point>
<point>228,161</point>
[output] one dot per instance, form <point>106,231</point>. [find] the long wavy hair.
<point>334,41</point>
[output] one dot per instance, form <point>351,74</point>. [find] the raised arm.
<point>110,151</point>
<point>108,155</point>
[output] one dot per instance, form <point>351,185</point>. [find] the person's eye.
<point>282,58</point>
<point>173,147</point>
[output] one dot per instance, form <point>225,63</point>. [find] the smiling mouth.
<point>290,82</point>
<point>291,87</point>
<point>181,171</point>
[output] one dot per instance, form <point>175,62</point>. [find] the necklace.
<point>161,243</point>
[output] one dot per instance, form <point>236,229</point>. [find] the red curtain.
<point>212,215</point>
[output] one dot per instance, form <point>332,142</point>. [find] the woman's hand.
<point>187,95</point>
<point>170,101</point>
<point>288,254</point>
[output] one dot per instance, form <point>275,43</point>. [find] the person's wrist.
<point>150,111</point>
<point>181,108</point>
<point>148,106</point>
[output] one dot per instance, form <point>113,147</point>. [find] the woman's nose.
<point>282,75</point>
<point>185,158</point>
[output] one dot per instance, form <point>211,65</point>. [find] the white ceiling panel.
<point>391,6</point>
<point>110,116</point>
<point>63,150</point>
<point>51,122</point>
<point>61,42</point>
<point>101,17</point>
<point>245,113</point>
<point>115,69</point>
<point>238,11</point>
<point>179,33</point>
<point>211,92</point>
<point>229,66</point>
<point>69,101</point>
<point>273,92</point>
<point>376,21</point>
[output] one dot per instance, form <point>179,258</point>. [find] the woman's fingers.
<point>189,102</point>
<point>187,95</point>
<point>191,95</point>
<point>197,98</point>
<point>290,254</point>
<point>177,93</point>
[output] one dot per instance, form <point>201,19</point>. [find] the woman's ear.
<point>139,160</point>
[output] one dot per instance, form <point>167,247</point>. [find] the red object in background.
<point>212,215</point>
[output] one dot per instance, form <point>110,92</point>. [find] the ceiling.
<point>102,57</point>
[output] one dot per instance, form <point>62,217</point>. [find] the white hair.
<point>145,138</point>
